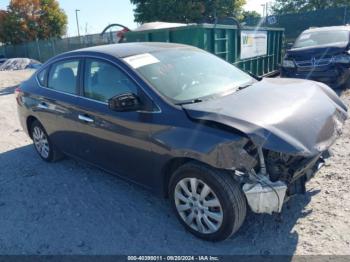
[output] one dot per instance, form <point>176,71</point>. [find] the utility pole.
<point>76,16</point>
<point>263,6</point>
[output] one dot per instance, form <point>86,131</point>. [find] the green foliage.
<point>250,15</point>
<point>53,21</point>
<point>185,11</point>
<point>28,20</point>
<point>8,25</point>
<point>300,6</point>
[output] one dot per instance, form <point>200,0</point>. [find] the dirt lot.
<point>71,208</point>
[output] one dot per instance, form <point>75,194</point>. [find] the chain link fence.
<point>294,24</point>
<point>42,50</point>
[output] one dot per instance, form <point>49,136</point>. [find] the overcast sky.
<point>96,15</point>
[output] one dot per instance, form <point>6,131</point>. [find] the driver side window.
<point>103,81</point>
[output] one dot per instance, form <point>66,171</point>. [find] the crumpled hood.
<point>284,115</point>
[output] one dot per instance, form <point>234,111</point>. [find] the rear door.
<point>116,141</point>
<point>56,102</point>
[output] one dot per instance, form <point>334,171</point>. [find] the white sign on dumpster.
<point>253,43</point>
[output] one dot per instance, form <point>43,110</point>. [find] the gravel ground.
<point>71,208</point>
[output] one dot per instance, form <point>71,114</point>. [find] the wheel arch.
<point>30,120</point>
<point>171,166</point>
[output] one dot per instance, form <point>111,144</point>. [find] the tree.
<point>10,28</point>
<point>185,11</point>
<point>53,21</point>
<point>250,15</point>
<point>3,16</point>
<point>299,6</point>
<point>28,20</point>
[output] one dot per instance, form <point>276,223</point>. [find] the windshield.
<point>322,38</point>
<point>185,75</point>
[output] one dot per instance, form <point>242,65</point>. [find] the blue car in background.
<point>320,54</point>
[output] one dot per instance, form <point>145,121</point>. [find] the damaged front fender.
<point>220,149</point>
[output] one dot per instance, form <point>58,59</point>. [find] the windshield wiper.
<point>244,86</point>
<point>197,100</point>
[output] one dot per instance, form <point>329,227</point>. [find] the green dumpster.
<point>258,51</point>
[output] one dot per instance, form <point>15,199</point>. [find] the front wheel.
<point>209,203</point>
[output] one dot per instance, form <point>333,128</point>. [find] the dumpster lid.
<point>158,25</point>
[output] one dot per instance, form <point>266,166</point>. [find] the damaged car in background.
<point>320,54</point>
<point>185,124</point>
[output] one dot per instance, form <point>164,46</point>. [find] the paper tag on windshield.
<point>138,61</point>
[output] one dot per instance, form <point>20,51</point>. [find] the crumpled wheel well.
<point>170,167</point>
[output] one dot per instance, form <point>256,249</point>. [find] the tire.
<point>229,213</point>
<point>40,140</point>
<point>345,85</point>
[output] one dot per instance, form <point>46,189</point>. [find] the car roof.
<point>328,28</point>
<point>130,49</point>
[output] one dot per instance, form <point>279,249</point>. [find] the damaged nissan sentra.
<point>185,124</point>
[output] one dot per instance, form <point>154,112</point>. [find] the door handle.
<point>43,105</point>
<point>85,118</point>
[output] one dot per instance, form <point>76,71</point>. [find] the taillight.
<point>18,90</point>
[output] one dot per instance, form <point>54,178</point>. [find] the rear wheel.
<point>209,203</point>
<point>345,85</point>
<point>46,150</point>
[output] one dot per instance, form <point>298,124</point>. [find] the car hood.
<point>291,116</point>
<point>317,52</point>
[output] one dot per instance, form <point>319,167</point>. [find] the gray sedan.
<point>185,124</point>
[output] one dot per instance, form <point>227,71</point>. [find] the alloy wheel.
<point>41,143</point>
<point>198,205</point>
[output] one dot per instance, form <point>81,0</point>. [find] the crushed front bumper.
<point>267,195</point>
<point>298,184</point>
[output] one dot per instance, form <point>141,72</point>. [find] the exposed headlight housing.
<point>341,59</point>
<point>288,63</point>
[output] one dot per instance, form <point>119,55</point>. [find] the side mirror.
<point>289,45</point>
<point>124,102</point>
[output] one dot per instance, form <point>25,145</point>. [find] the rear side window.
<point>42,77</point>
<point>103,81</point>
<point>63,76</point>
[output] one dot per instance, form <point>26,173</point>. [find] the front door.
<point>116,141</point>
